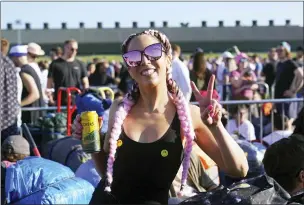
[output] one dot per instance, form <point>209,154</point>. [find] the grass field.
<point>87,59</point>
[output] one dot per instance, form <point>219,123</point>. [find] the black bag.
<point>258,190</point>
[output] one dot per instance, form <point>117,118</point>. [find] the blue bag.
<point>88,172</point>
<point>36,180</point>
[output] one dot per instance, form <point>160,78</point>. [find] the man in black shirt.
<point>269,70</point>
<point>67,71</point>
<point>289,79</point>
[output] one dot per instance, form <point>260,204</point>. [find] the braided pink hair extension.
<point>184,116</point>
<point>130,99</point>
<point>120,116</point>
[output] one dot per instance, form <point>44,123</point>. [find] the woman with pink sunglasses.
<point>152,129</point>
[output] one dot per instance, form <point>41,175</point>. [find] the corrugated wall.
<point>213,39</point>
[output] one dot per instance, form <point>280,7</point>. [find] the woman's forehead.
<point>141,42</point>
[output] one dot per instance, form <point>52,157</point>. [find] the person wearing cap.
<point>224,69</point>
<point>34,50</point>
<point>289,80</point>
<point>13,149</point>
<point>31,92</point>
<point>284,162</point>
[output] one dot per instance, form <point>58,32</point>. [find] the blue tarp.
<point>36,180</point>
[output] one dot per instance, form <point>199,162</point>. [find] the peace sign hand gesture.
<point>211,110</point>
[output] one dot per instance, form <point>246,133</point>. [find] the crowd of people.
<point>238,77</point>
<point>232,75</point>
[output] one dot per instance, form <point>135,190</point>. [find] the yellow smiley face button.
<point>164,153</point>
<point>119,143</point>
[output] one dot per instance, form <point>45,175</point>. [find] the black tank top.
<point>144,172</point>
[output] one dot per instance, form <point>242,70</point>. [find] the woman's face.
<point>147,72</point>
<point>243,64</point>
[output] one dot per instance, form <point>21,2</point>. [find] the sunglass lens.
<point>154,51</point>
<point>132,58</point>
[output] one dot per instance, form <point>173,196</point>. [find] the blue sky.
<point>143,12</point>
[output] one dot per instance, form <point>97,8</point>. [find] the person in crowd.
<point>284,161</point>
<point>289,80</point>
<point>198,179</point>
<point>35,51</point>
<point>282,129</point>
<point>67,71</point>
<point>55,53</point>
<point>300,56</point>
<point>32,90</point>
<point>190,62</point>
<point>243,81</point>
<point>126,81</point>
<point>44,67</point>
<point>91,69</point>
<point>10,107</point>
<point>258,65</point>
<point>180,72</point>
<point>110,69</point>
<point>144,144</point>
<point>227,66</point>
<point>96,60</point>
<point>239,123</point>
<point>299,123</point>
<point>4,46</point>
<point>13,149</point>
<point>200,75</point>
<point>100,77</point>
<point>268,73</point>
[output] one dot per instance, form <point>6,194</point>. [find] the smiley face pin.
<point>164,153</point>
<point>119,143</point>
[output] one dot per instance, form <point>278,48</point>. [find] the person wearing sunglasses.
<point>151,131</point>
<point>67,71</point>
<point>284,161</point>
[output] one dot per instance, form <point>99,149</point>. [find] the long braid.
<point>131,98</point>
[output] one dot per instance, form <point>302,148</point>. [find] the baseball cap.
<point>285,45</point>
<point>18,51</point>
<point>17,143</point>
<point>35,49</point>
<point>227,54</point>
<point>240,56</point>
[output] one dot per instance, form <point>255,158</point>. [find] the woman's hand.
<point>77,127</point>
<point>211,110</point>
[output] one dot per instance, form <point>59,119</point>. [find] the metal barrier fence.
<point>227,103</point>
